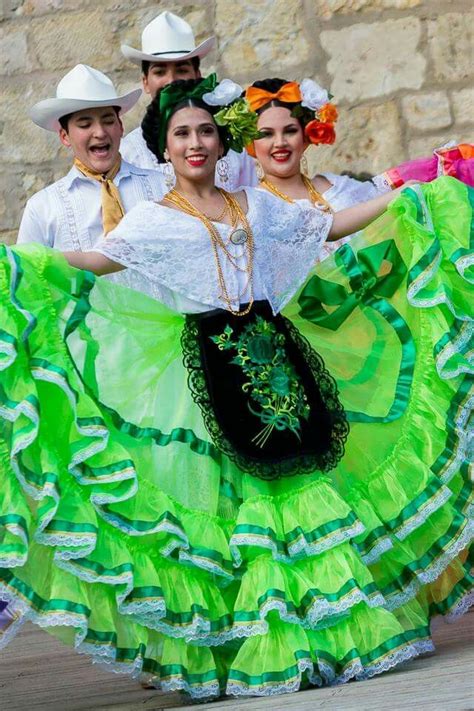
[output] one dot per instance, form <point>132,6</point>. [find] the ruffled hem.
<point>195,582</point>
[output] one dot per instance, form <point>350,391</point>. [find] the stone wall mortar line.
<point>341,21</point>
<point>376,129</point>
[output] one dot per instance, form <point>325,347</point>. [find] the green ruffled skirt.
<point>125,532</point>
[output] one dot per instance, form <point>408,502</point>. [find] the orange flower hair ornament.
<point>315,98</point>
<point>312,101</point>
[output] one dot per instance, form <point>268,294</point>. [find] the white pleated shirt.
<point>67,214</point>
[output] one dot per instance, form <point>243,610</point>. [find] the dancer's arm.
<point>93,262</point>
<point>353,219</point>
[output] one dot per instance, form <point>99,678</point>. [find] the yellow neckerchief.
<point>112,208</point>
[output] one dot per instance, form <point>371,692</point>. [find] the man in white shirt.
<point>73,212</point>
<point>168,53</point>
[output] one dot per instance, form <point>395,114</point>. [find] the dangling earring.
<point>259,170</point>
<point>222,170</point>
<point>304,168</point>
<point>168,173</point>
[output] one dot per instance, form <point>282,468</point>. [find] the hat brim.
<point>46,113</point>
<point>137,57</point>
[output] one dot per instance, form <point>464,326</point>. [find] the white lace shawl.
<point>173,251</point>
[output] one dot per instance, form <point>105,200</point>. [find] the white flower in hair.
<point>313,95</point>
<point>224,93</point>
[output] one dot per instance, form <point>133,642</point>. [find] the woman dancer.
<point>186,522</point>
<point>292,116</point>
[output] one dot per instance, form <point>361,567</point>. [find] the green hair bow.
<point>174,94</point>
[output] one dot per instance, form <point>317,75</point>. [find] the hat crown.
<point>168,34</point>
<point>85,83</point>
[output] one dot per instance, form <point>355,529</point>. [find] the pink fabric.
<point>457,161</point>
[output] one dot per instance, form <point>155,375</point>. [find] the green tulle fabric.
<point>126,533</point>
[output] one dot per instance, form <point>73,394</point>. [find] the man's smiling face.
<point>94,136</point>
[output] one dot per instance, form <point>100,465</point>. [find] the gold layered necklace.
<point>315,197</point>
<point>241,234</point>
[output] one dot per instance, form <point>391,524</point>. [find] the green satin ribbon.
<point>368,287</point>
<point>365,282</point>
<point>174,94</point>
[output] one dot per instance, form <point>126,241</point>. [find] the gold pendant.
<point>239,236</point>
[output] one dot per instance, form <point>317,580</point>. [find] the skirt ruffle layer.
<point>124,531</point>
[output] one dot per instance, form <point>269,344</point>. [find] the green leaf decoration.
<point>276,395</point>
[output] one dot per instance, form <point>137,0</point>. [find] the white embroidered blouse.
<point>172,252</point>
<point>346,192</point>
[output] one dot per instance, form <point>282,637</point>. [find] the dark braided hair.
<point>299,112</point>
<point>153,117</point>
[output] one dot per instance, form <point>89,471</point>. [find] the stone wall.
<point>401,71</point>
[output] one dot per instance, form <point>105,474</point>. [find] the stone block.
<point>15,189</point>
<point>32,182</point>
<point>327,8</point>
<point>368,140</point>
<point>371,60</point>
<point>255,34</point>
<point>451,45</point>
<point>425,145</point>
<point>12,200</point>
<point>41,7</point>
<point>426,112</point>
<point>8,236</point>
<point>9,8</point>
<point>20,140</point>
<point>463,106</point>
<point>14,52</point>
<point>59,42</point>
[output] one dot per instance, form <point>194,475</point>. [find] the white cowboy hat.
<point>168,38</point>
<point>82,88</point>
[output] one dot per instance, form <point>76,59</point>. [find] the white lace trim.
<point>30,320</point>
<point>298,550</point>
<point>103,656</point>
<point>464,263</point>
<point>460,608</point>
<point>424,512</point>
<point>40,373</point>
<point>84,542</point>
<point>18,531</point>
<point>238,688</point>
<point>461,341</point>
<point>204,564</point>
<point>7,349</point>
<point>13,561</point>
<point>358,671</point>
<point>162,526</point>
<point>319,610</point>
<point>381,547</point>
<point>25,613</point>
<point>433,572</point>
<point>71,567</point>
<point>421,281</point>
<point>463,441</point>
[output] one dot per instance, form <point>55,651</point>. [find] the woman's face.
<point>280,149</point>
<point>193,144</point>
